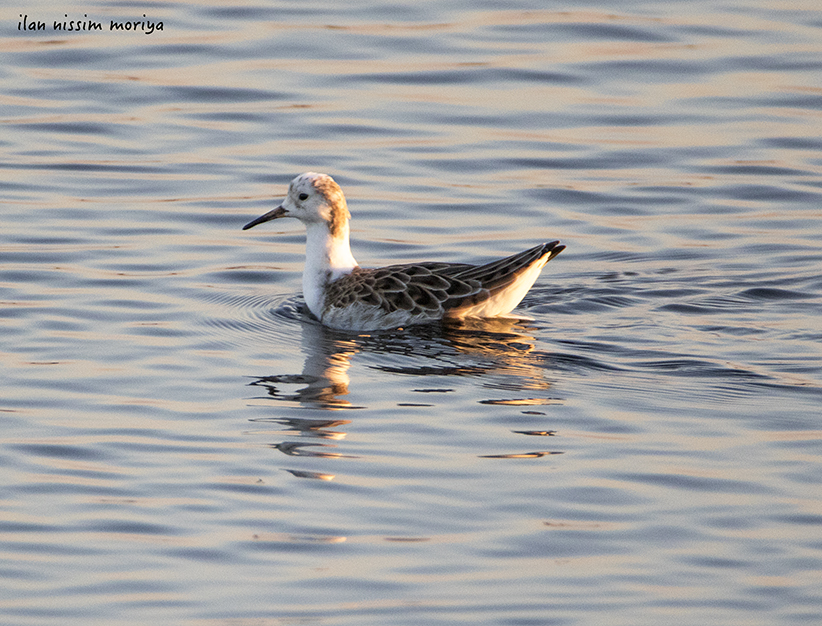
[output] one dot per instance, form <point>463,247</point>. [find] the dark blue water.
<point>182,444</point>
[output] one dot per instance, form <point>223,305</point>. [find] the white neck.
<point>326,259</point>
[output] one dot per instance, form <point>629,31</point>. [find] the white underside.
<point>368,317</point>
<point>508,299</point>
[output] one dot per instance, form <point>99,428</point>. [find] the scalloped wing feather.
<point>419,292</point>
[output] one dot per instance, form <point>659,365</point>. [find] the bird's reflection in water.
<point>325,372</point>
<point>499,352</point>
<point>296,448</point>
<point>318,428</point>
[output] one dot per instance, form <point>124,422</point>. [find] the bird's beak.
<point>280,211</point>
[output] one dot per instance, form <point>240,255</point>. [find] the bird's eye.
<point>303,196</point>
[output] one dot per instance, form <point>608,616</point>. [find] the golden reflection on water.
<point>520,455</point>
<point>499,347</point>
<point>499,351</point>
<point>659,460</point>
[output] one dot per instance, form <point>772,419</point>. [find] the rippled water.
<point>181,444</point>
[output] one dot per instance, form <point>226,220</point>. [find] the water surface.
<point>181,443</point>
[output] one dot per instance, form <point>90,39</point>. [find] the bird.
<point>344,296</point>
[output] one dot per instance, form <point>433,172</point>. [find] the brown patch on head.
<point>337,206</point>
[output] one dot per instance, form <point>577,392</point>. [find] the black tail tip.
<point>554,247</point>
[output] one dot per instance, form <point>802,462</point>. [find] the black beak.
<point>271,215</point>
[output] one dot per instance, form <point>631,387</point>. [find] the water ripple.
<point>172,416</point>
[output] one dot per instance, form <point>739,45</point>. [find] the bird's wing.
<point>497,275</point>
<point>431,289</point>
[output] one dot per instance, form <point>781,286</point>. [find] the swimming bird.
<point>345,296</point>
